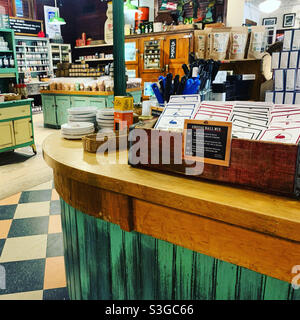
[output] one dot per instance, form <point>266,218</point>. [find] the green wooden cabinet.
<point>49,110</point>
<point>63,103</point>
<point>55,106</point>
<point>16,125</point>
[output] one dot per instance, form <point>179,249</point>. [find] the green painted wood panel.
<point>102,270</point>
<point>164,267</point>
<point>132,263</point>
<point>80,101</point>
<point>276,289</point>
<point>117,263</point>
<point>226,279</point>
<point>104,262</point>
<point>49,109</point>
<point>100,103</point>
<point>251,285</point>
<point>183,265</point>
<point>204,277</point>
<point>148,271</point>
<point>75,254</point>
<point>63,103</point>
<point>83,261</point>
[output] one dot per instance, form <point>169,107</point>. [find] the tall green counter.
<point>136,234</point>
<point>56,103</point>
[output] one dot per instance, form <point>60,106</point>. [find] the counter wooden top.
<point>254,230</point>
<point>273,215</point>
<point>86,93</point>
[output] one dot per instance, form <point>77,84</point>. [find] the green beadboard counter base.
<point>104,262</point>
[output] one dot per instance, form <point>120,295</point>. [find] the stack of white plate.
<point>105,119</point>
<point>82,114</point>
<point>76,130</point>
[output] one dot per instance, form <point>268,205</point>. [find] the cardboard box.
<point>123,103</point>
<point>122,119</point>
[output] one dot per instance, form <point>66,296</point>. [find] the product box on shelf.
<point>122,119</point>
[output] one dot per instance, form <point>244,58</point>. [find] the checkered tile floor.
<point>31,246</point>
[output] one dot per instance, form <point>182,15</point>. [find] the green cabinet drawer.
<point>80,102</point>
<point>100,103</point>
<point>63,103</point>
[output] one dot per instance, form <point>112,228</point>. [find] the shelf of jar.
<point>8,70</point>
<point>35,71</point>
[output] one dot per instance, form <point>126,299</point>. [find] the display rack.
<point>60,53</point>
<point>94,53</point>
<point>33,56</point>
<point>12,71</point>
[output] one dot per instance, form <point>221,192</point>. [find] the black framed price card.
<point>26,27</point>
<point>207,141</point>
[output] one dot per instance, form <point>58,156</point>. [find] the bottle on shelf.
<point>5,62</point>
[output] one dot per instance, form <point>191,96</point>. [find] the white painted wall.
<point>281,11</point>
<point>252,13</point>
<point>235,13</point>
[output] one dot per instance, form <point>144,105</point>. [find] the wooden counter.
<point>86,93</point>
<point>213,241</point>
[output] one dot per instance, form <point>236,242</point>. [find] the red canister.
<point>142,15</point>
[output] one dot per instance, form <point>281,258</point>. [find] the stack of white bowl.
<point>105,120</point>
<point>76,130</point>
<point>82,114</point>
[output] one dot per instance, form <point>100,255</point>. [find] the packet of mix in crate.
<point>257,43</point>
<point>238,42</point>
<point>219,42</point>
<point>200,43</point>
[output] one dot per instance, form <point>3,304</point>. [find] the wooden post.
<point>119,48</point>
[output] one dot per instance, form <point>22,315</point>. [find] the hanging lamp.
<point>269,6</point>
<point>129,6</point>
<point>57,19</point>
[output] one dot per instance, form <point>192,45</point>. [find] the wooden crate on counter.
<point>262,166</point>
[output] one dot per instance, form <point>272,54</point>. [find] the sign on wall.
<point>173,49</point>
<point>26,27</point>
<point>52,30</point>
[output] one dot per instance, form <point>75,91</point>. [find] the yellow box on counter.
<point>123,103</point>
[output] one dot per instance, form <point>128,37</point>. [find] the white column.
<point>235,13</point>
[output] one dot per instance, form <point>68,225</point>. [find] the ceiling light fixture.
<point>269,6</point>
